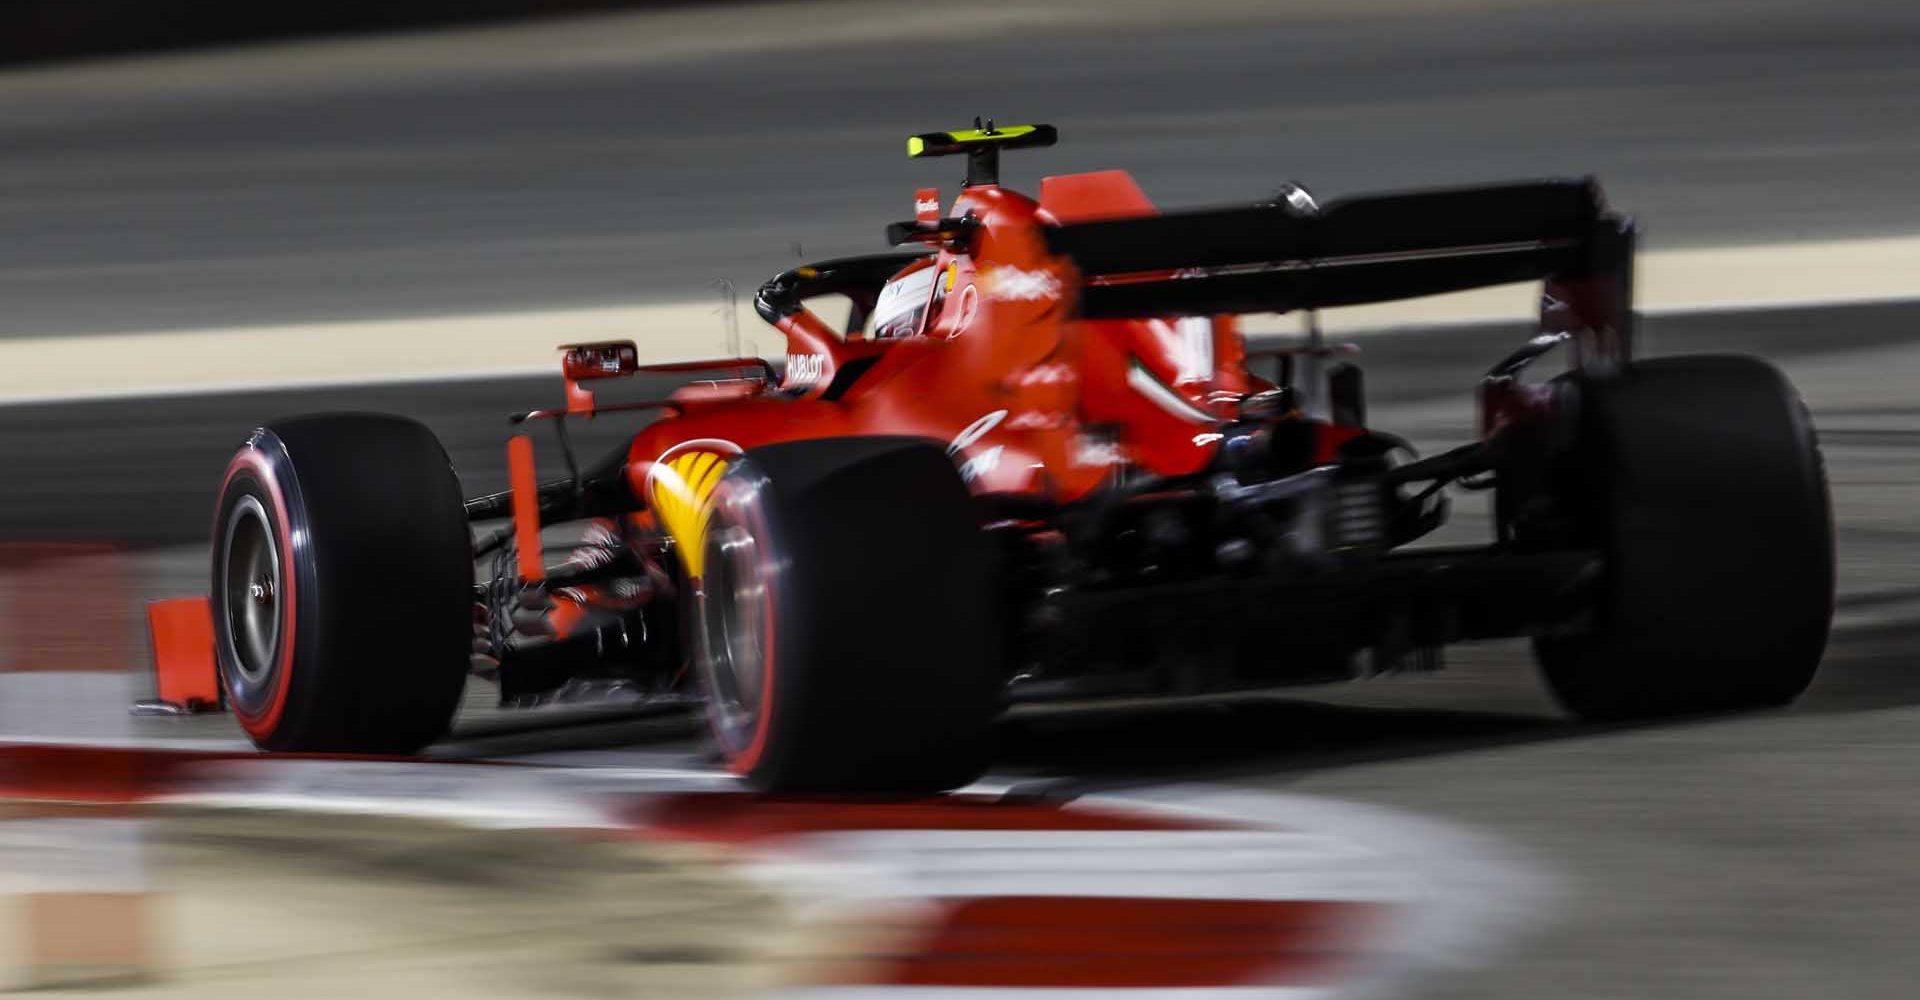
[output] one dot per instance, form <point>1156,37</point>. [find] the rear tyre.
<point>1701,480</point>
<point>847,627</point>
<point>342,586</point>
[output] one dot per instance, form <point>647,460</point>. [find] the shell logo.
<point>680,486</point>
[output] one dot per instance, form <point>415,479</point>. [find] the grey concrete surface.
<point>643,157</point>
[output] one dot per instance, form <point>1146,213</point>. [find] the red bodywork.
<point>995,344</point>
<point>1029,399</point>
<point>181,630</point>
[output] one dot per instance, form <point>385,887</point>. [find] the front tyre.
<point>342,586</point>
<point>847,627</point>
<point>1700,479</point>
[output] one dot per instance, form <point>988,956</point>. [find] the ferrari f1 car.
<point>1039,460</point>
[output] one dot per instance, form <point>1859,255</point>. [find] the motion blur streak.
<point>76,905</point>
<point>638,158</point>
<point>555,174</point>
<point>1038,942</point>
<point>309,355</point>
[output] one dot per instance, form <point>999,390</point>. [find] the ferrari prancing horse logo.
<point>680,486</point>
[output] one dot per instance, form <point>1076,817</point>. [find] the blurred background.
<point>211,216</point>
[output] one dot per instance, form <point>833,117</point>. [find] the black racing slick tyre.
<point>342,586</point>
<point>1701,481</point>
<point>847,625</point>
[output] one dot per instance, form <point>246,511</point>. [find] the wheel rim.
<point>734,607</point>
<point>252,587</point>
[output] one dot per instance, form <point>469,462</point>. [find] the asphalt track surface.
<point>621,161</point>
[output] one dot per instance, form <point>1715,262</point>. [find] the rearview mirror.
<point>605,359</point>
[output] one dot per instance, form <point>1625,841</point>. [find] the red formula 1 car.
<point>1038,462</point>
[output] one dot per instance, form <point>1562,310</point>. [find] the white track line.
<point>400,351</point>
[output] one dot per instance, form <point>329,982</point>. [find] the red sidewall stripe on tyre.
<point>252,461</point>
<point>749,758</point>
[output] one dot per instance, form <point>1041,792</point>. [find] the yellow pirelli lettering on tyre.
<point>680,487</point>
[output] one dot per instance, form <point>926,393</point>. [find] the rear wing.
<point>1293,255</point>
